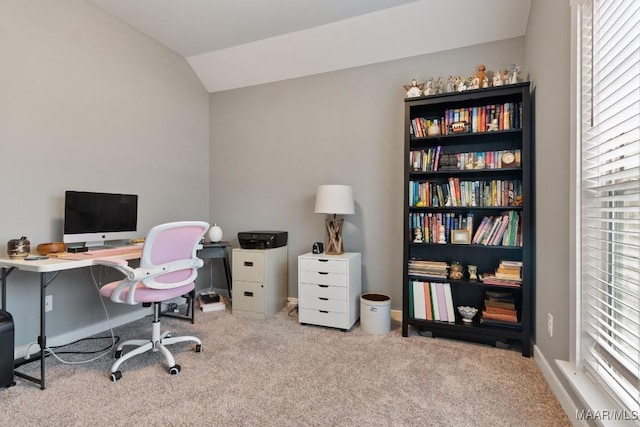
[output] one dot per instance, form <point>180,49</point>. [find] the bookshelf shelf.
<point>453,182</point>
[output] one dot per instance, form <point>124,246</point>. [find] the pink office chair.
<point>168,268</point>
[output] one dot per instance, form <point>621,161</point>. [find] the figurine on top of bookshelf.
<point>497,78</point>
<point>417,235</point>
<point>440,86</point>
<point>485,81</point>
<point>414,89</point>
<point>430,87</point>
<point>514,72</point>
<point>461,86</point>
<point>481,73</point>
<point>474,82</point>
<point>451,85</point>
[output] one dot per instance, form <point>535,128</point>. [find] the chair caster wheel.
<point>115,376</point>
<point>118,354</point>
<point>198,348</point>
<point>174,370</point>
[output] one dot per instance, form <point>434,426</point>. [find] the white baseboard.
<point>558,389</point>
<point>396,315</point>
<point>85,332</point>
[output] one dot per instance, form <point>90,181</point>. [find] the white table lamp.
<point>334,200</point>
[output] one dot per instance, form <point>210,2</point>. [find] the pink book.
<point>442,302</point>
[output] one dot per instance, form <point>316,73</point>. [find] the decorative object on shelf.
<point>459,127</point>
<point>417,235</point>
<point>414,89</point>
<point>497,79</point>
<point>481,73</point>
<point>334,200</point>
<point>460,237</point>
<point>514,74</point>
<point>51,248</point>
<point>434,129</point>
<point>473,272</point>
<point>430,87</point>
<point>448,161</point>
<point>18,248</point>
<point>508,159</point>
<point>467,313</point>
<point>317,248</point>
<point>456,271</point>
<point>215,233</point>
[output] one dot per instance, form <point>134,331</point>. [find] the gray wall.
<point>273,144</point>
<point>548,47</point>
<point>88,103</point>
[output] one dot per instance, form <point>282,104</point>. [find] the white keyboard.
<point>120,250</point>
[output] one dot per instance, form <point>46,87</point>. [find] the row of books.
<point>430,227</point>
<point>499,309</point>
<point>508,273</point>
<point>431,301</point>
<point>457,193</point>
<point>486,118</point>
<point>501,230</point>
<point>425,268</point>
<point>428,160</point>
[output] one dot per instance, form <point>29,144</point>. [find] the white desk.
<point>49,269</point>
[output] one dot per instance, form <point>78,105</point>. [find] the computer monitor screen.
<point>95,218</point>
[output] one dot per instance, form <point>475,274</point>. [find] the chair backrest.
<point>173,246</point>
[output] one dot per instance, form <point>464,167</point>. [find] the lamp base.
<point>334,239</point>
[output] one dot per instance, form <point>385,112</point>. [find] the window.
<point>609,195</point>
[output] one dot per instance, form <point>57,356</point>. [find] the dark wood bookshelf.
<point>485,257</point>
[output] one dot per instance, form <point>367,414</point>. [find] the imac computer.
<point>93,219</point>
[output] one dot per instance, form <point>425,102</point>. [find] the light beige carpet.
<point>279,373</point>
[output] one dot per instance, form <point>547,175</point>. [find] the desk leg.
<point>42,339</point>
<point>227,271</point>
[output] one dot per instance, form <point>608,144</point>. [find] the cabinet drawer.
<point>248,296</point>
<point>322,291</point>
<point>324,318</point>
<point>323,304</point>
<point>322,278</point>
<point>323,265</point>
<point>248,266</point>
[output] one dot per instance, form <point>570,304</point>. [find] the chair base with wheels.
<point>159,341</point>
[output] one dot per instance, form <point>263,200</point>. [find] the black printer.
<point>262,239</point>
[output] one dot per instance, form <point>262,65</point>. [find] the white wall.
<point>273,144</point>
<point>88,103</point>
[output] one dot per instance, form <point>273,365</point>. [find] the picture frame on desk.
<point>460,237</point>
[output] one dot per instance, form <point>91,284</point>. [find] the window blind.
<point>610,195</point>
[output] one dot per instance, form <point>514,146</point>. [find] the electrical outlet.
<point>48,303</point>
<point>550,324</point>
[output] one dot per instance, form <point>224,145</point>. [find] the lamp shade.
<point>335,199</point>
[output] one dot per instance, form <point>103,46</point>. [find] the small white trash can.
<point>375,313</point>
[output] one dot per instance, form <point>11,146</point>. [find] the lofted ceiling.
<point>238,43</point>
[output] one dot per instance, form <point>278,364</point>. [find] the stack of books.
<point>431,301</point>
<point>508,273</point>
<point>210,301</point>
<point>436,269</point>
<point>499,309</point>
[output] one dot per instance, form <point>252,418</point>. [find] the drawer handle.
<point>248,264</point>
<point>248,294</point>
<point>323,299</point>
<point>323,260</point>
<point>324,286</point>
<point>322,272</point>
<point>323,311</point>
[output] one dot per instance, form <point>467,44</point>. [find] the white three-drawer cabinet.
<point>329,288</point>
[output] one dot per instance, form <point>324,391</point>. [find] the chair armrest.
<point>119,264</point>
